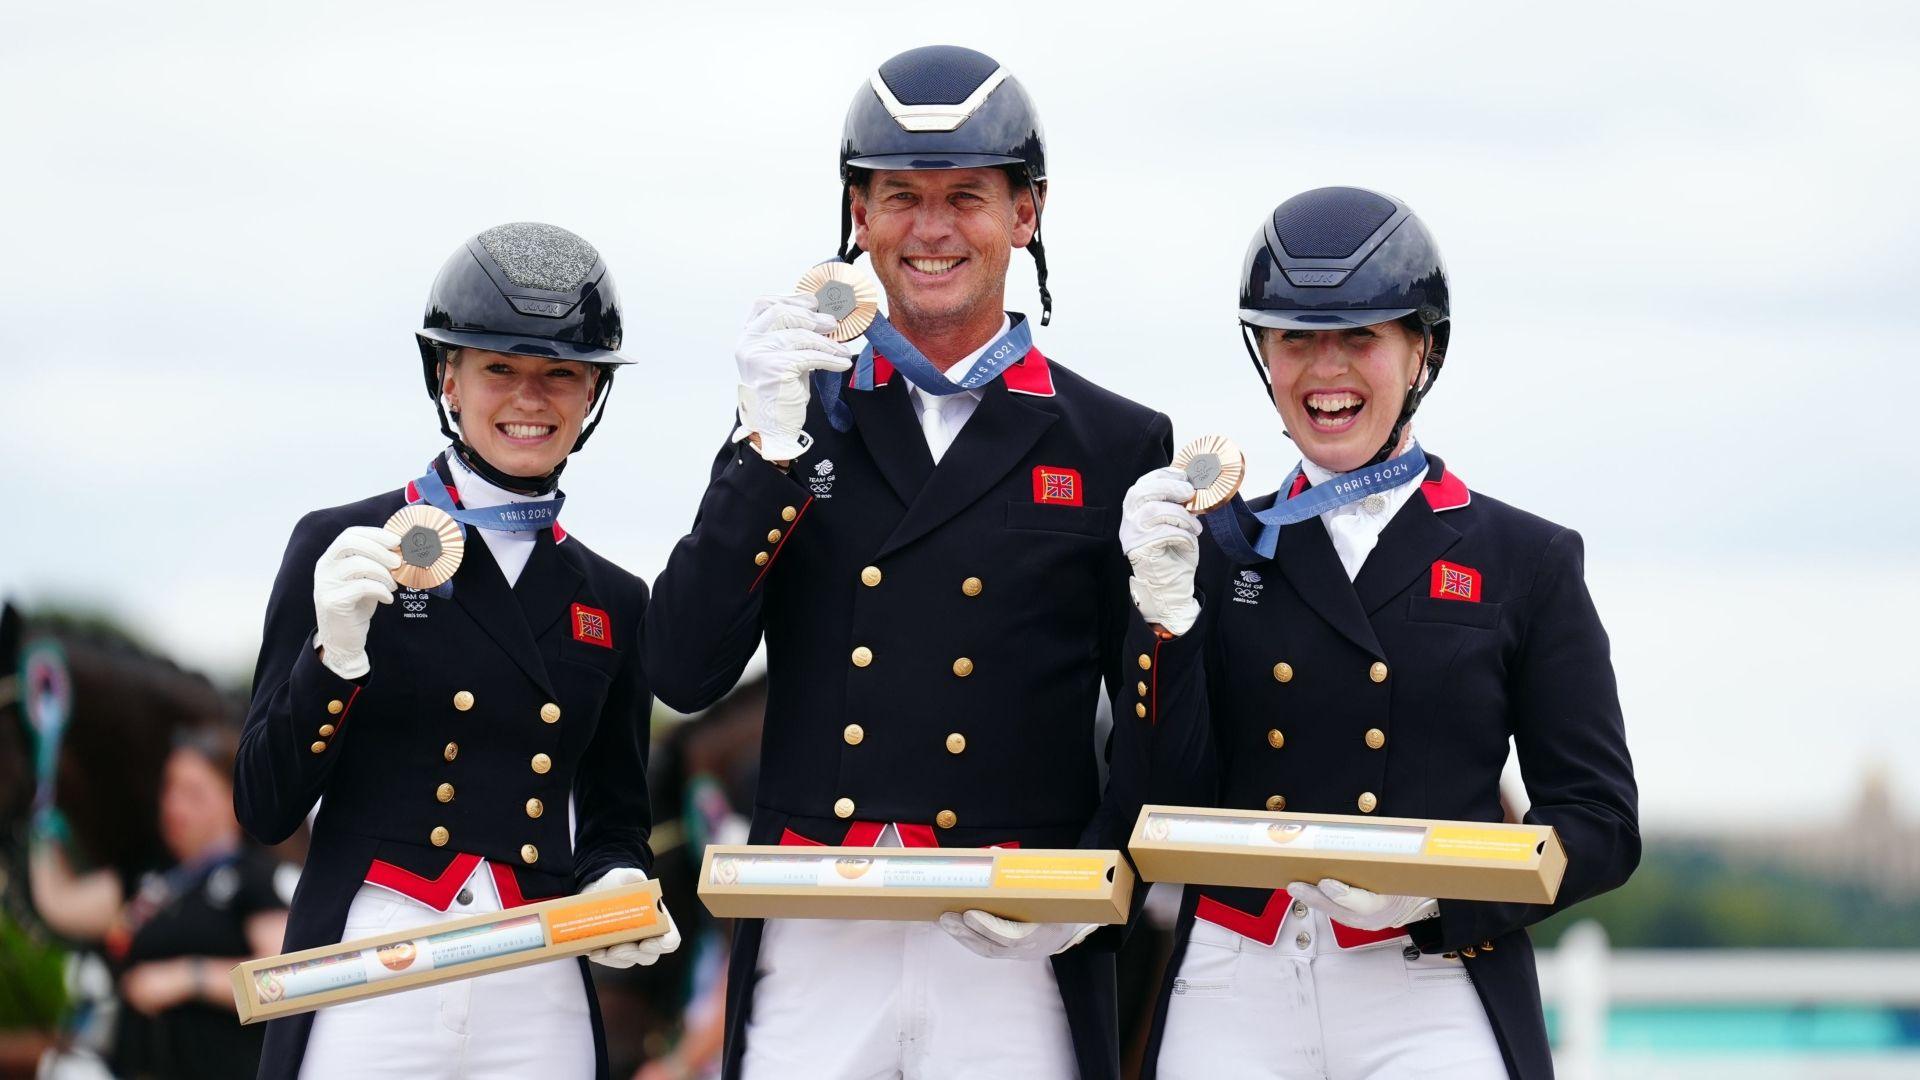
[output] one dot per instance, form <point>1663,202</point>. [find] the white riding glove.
<point>1162,540</point>
<point>628,953</point>
<point>352,578</point>
<point>1360,909</point>
<point>785,341</point>
<point>1005,939</point>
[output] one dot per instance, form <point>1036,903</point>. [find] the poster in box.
<point>915,884</point>
<point>459,948</point>
<point>1452,860</point>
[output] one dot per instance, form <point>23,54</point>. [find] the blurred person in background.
<point>1366,640</point>
<point>480,744</point>
<point>89,719</point>
<point>173,941</point>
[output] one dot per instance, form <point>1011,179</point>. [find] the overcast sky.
<point>1680,239</point>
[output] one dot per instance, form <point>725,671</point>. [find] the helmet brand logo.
<point>1317,277</point>
<point>527,306</point>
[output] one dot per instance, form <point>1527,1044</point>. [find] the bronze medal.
<point>845,293</point>
<point>431,546</point>
<point>1215,467</point>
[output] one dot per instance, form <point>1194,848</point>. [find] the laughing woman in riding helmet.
<point>1367,641</point>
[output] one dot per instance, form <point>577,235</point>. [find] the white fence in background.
<point>1582,979</point>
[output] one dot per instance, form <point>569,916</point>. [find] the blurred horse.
<point>126,703</point>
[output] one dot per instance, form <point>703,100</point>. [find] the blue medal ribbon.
<point>999,355</point>
<point>1338,491</point>
<point>509,517</point>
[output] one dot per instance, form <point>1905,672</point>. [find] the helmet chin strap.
<point>1430,364</point>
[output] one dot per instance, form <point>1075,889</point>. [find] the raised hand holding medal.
<point>850,296</point>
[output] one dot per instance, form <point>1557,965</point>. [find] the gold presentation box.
<point>1449,860</point>
<point>756,881</point>
<point>461,948</point>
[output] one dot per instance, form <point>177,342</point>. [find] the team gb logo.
<point>822,482</point>
<point>1247,589</point>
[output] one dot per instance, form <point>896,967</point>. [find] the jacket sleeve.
<point>706,616</point>
<point>300,709</point>
<point>1130,745</point>
<point>1572,747</point>
<point>613,818</point>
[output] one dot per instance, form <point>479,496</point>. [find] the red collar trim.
<point>1449,492</point>
<point>413,494</point>
<point>1030,375</point>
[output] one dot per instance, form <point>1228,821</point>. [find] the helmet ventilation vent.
<point>1330,223</point>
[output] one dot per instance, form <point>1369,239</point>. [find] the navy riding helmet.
<point>945,107</point>
<point>1338,257</point>
<point>530,290</point>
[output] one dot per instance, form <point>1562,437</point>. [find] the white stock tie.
<point>933,422</point>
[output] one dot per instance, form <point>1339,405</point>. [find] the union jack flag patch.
<point>1451,581</point>
<point>590,626</point>
<point>1056,484</point>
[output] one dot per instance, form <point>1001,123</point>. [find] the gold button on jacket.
<point>1276,738</point>
<point>1283,672</point>
<point>541,763</point>
<point>788,513</point>
<point>1140,710</point>
<point>529,854</point>
<point>853,733</point>
<point>1376,738</point>
<point>326,731</point>
<point>439,836</point>
<point>318,748</point>
<point>1378,672</point>
<point>760,558</point>
<point>843,808</point>
<point>463,700</point>
<point>1145,662</point>
<point>871,576</point>
<point>335,706</point>
<point>956,743</point>
<point>444,793</point>
<point>972,586</point>
<point>1276,802</point>
<point>773,536</point>
<point>535,808</point>
<point>1142,688</point>
<point>946,819</point>
<point>452,751</point>
<point>550,713</point>
<point>963,667</point>
<point>1367,802</point>
<point>862,656</point>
